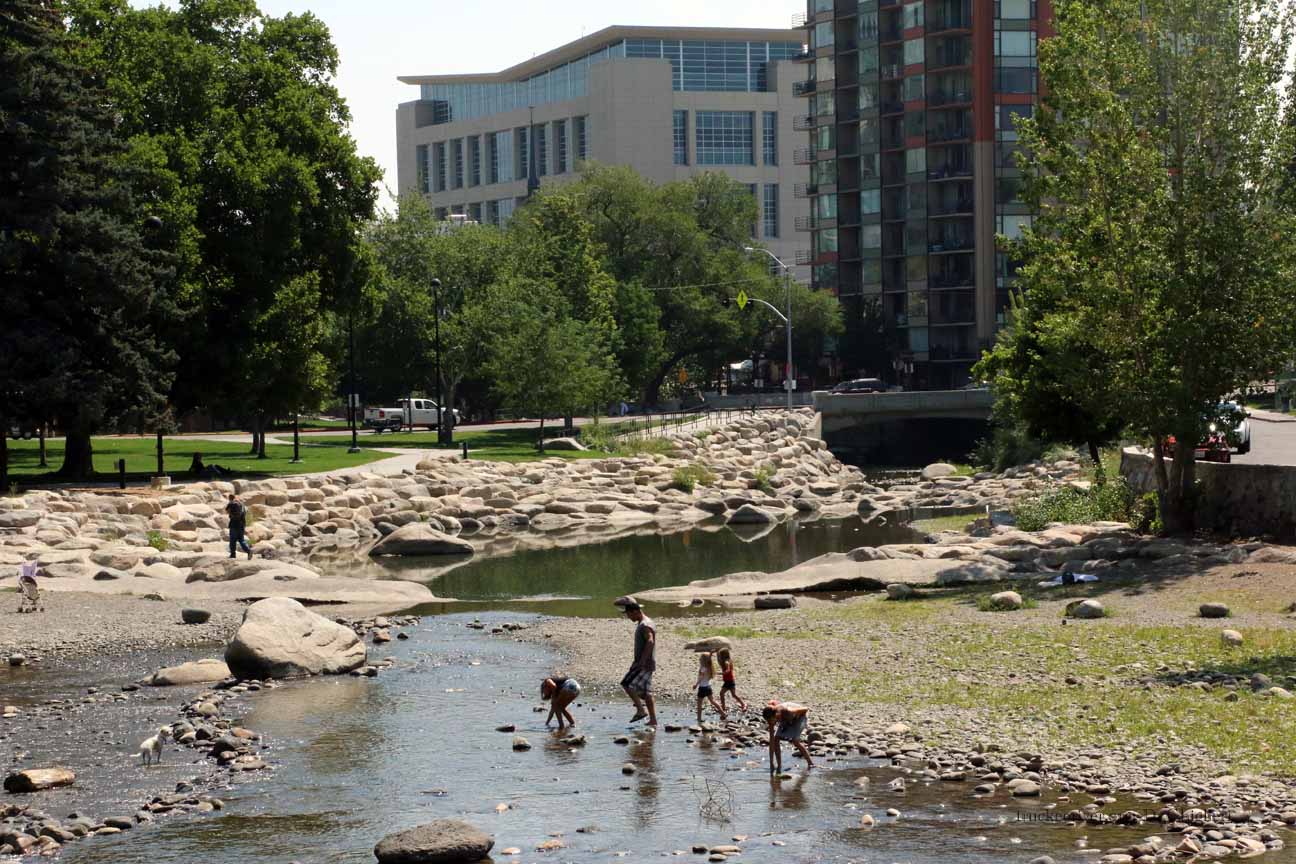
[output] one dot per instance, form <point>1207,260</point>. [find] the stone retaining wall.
<point>1239,500</point>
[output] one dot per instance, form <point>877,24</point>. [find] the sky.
<point>378,40</point>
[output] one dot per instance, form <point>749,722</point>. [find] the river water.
<point>356,759</point>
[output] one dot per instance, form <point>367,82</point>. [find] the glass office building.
<point>910,108</point>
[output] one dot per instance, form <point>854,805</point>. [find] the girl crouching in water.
<point>559,693</point>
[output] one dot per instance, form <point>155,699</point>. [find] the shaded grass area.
<point>141,458</point>
<point>1128,690</point>
<point>498,445</point>
<point>739,632</point>
<point>943,523</point>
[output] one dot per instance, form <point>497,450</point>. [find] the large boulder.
<point>444,841</point>
<point>570,444</point>
<point>197,672</point>
<point>38,779</point>
<point>280,638</point>
<point>1213,610</point>
<point>418,539</point>
<point>750,514</point>
<point>1089,609</point>
<point>937,470</point>
<point>775,601</point>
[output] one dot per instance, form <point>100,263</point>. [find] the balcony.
<point>944,23</point>
<point>938,98</point>
<point>802,257</point>
<point>805,190</point>
<point>962,207</point>
<point>892,72</point>
<point>952,279</point>
<point>799,20</point>
<point>803,122</point>
<point>805,88</point>
<point>805,223</point>
<point>892,108</point>
<point>942,136</point>
<point>937,175</point>
<point>891,34</point>
<point>945,247</point>
<point>848,115</point>
<point>804,156</point>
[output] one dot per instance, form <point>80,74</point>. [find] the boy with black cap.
<point>637,683</point>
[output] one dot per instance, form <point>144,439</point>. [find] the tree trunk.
<point>4,455</point>
<point>1096,456</point>
<point>542,432</point>
<point>1177,503</point>
<point>261,436</point>
<point>78,455</point>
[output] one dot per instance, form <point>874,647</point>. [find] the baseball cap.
<point>627,603</point>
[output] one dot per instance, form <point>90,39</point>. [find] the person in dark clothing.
<point>237,526</point>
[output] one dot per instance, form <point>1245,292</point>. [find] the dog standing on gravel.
<point>151,750</point>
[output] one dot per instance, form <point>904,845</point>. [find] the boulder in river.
<point>709,645</point>
<point>444,841</point>
<point>1085,609</point>
<point>419,539</point>
<point>38,779</point>
<point>750,514</point>
<point>937,470</point>
<point>570,444</point>
<point>280,638</point>
<point>195,616</point>
<point>775,601</point>
<point>197,672</point>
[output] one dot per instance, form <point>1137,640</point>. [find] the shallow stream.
<point>356,759</point>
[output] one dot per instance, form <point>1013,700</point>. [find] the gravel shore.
<point>1145,703</point>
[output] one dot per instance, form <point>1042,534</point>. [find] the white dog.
<point>151,749</point>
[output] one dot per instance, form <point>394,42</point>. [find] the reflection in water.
<point>589,575</point>
<point>352,765</point>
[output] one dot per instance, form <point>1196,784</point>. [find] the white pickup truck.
<point>407,414</point>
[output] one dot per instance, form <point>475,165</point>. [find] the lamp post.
<point>351,400</point>
<point>787,318</point>
<point>443,429</point>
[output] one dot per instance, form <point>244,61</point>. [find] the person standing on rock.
<point>237,526</point>
<point>637,683</point>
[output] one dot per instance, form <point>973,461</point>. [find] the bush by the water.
<point>1010,445</point>
<point>688,477</point>
<point>1110,501</point>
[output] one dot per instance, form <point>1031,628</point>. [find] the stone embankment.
<point>755,471</point>
<point>1001,554</point>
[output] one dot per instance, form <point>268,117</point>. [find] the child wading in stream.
<point>786,722</point>
<point>706,671</point>
<point>730,682</point>
<point>559,693</point>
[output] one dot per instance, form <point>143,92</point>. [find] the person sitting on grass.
<point>786,722</point>
<point>560,692</point>
<point>706,671</point>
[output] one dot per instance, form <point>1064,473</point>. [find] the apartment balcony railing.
<point>948,173</point>
<point>948,22</point>
<point>893,34</point>
<point>892,72</point>
<point>944,135</point>
<point>803,122</point>
<point>805,190</point>
<point>812,85</point>
<point>950,246</point>
<point>951,280</point>
<point>804,156</point>
<point>937,98</point>
<point>805,223</point>
<point>848,115</point>
<point>799,20</point>
<point>892,107</point>
<point>802,257</point>
<point>960,208</point>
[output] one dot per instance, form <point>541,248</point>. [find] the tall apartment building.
<point>666,101</point>
<point>911,112</point>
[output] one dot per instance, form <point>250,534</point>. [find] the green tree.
<point>543,361</point>
<point>84,293</point>
<point>1156,162</point>
<point>235,120</point>
<point>1053,378</point>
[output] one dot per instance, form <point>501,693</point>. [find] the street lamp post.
<point>443,428</point>
<point>351,400</point>
<point>787,318</point>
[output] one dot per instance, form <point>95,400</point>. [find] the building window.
<point>492,212</point>
<point>474,161</point>
<point>492,157</point>
<point>523,155</point>
<point>770,212</point>
<point>456,164</point>
<point>715,66</point>
<point>560,146</point>
<point>724,138</point>
<point>421,167</point>
<point>582,143</point>
<point>475,212</point>
<point>504,156</point>
<point>769,138</point>
<point>541,131</point>
<point>681,137</point>
<point>440,214</point>
<point>439,167</point>
<point>506,207</point>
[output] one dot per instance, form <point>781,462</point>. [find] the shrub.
<point>157,541</point>
<point>1008,445</point>
<point>1112,501</point>
<point>762,481</point>
<point>687,477</point>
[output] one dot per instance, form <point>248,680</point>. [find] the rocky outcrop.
<point>38,779</point>
<point>281,638</point>
<point>417,539</point>
<point>197,672</point>
<point>445,841</point>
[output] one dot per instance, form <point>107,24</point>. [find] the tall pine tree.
<point>83,293</point>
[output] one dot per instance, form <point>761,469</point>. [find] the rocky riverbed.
<point>170,543</point>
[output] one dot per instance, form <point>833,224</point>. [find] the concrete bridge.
<point>903,428</point>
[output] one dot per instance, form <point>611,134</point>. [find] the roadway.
<point>1273,440</point>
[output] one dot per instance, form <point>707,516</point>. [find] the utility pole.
<point>787,318</point>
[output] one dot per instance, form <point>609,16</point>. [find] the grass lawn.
<point>1127,690</point>
<point>141,458</point>
<point>943,523</point>
<point>499,445</point>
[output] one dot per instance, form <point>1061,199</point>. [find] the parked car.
<point>1236,421</point>
<point>407,414</point>
<point>860,385</point>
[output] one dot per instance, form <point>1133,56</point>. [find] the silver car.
<point>1240,436</point>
